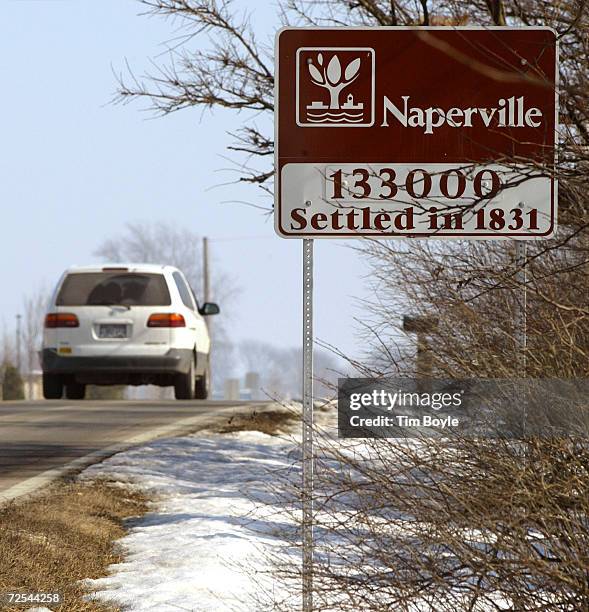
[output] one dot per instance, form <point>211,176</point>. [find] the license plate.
<point>112,331</point>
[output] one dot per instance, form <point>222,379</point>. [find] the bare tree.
<point>34,308</point>
<point>280,368</point>
<point>7,346</point>
<point>156,243</point>
<point>235,73</point>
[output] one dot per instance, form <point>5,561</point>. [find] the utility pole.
<point>206,280</point>
<point>18,320</point>
<point>206,297</point>
<point>422,325</point>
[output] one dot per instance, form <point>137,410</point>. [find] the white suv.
<point>125,324</point>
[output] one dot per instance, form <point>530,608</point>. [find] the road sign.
<point>440,132</point>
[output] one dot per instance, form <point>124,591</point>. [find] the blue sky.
<point>74,169</point>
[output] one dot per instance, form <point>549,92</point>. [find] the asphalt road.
<point>39,439</point>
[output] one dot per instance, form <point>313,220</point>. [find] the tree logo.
<point>335,87</point>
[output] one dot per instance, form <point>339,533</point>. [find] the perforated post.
<point>307,500</point>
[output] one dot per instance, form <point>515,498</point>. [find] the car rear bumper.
<point>116,368</point>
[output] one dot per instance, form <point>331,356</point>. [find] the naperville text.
<point>509,113</point>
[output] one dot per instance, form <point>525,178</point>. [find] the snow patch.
<point>202,545</point>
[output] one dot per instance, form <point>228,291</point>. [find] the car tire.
<point>52,386</point>
<point>202,383</point>
<point>75,391</point>
<point>185,385</point>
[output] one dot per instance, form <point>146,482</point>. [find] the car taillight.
<point>61,319</point>
<point>166,319</point>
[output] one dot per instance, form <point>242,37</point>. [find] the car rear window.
<point>108,288</point>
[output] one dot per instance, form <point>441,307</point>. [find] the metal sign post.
<point>307,498</point>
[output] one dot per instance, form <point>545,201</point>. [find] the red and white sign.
<point>454,132</point>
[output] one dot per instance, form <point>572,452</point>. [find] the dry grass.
<point>272,422</point>
<point>51,542</point>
